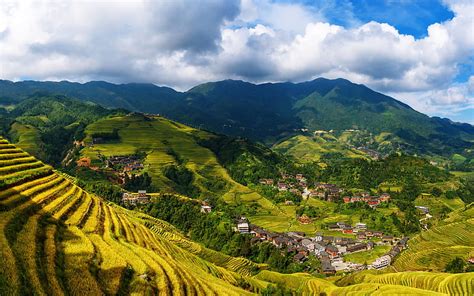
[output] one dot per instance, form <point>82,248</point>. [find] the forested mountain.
<point>271,111</point>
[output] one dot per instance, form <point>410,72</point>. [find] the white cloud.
<point>182,43</point>
<point>442,102</point>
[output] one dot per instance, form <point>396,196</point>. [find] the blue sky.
<point>409,17</point>
<point>420,52</point>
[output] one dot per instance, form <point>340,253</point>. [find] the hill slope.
<point>170,144</point>
<point>269,112</point>
<point>433,249</point>
<point>57,239</point>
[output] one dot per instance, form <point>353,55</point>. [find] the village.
<point>329,249</point>
<point>120,167</point>
<point>329,192</point>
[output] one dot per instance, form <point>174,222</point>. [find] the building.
<point>373,203</point>
<point>360,226</point>
<point>305,219</point>
<point>356,199</point>
<point>347,230</point>
<point>260,233</point>
<point>300,258</point>
<point>280,242</point>
<point>206,209</point>
<point>327,267</point>
<point>387,239</point>
<point>243,225</point>
<point>425,210</point>
<point>136,198</point>
<point>84,162</point>
<point>282,186</point>
<point>385,197</point>
<point>308,244</point>
<point>318,237</point>
<point>332,251</point>
<point>319,249</point>
<point>378,234</point>
<point>356,248</point>
<point>402,244</point>
<point>382,262</point>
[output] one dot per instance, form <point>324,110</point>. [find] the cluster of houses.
<point>139,198</point>
<point>370,152</point>
<point>124,165</point>
<point>298,184</point>
<point>329,249</point>
<point>372,201</point>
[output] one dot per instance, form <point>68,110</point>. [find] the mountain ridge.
<point>192,89</point>
<point>268,112</point>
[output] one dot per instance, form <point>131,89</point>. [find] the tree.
<point>455,266</point>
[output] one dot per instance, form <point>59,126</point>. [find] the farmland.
<point>58,239</point>
<point>157,136</point>
<point>433,249</point>
<point>307,148</point>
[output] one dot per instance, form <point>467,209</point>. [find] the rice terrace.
<point>237,147</point>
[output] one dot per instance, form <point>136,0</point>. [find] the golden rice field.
<point>57,239</point>
<point>433,249</point>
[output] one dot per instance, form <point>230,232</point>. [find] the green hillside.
<point>47,125</point>
<point>272,111</point>
<point>307,148</point>
<point>58,239</point>
<point>168,143</point>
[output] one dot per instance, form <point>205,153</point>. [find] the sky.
<point>419,51</point>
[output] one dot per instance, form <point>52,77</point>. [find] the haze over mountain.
<point>268,112</point>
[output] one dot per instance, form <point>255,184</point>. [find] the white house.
<point>318,237</point>
<point>360,226</point>
<point>243,225</point>
<point>382,262</point>
<point>206,209</point>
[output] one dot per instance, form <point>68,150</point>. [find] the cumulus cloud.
<point>182,43</point>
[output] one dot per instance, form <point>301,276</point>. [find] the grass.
<point>367,256</point>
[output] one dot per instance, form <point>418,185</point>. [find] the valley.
<point>331,205</point>
<point>90,245</point>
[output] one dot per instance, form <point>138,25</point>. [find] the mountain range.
<point>269,112</point>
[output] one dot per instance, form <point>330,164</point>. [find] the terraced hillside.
<point>433,249</point>
<point>156,137</point>
<point>306,148</point>
<point>451,284</point>
<point>57,239</point>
